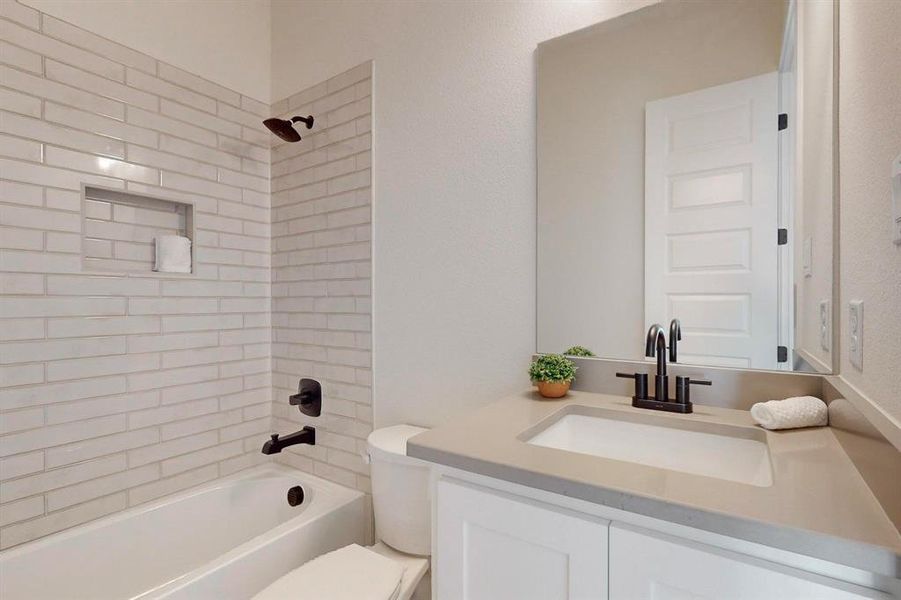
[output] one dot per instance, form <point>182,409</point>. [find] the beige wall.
<point>593,86</point>
<point>225,41</point>
<point>869,139</point>
<point>453,182</point>
<point>813,186</point>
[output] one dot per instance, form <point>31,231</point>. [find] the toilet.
<point>393,567</point>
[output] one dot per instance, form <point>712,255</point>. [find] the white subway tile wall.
<point>116,389</point>
<point>321,271</point>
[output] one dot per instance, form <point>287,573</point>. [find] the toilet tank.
<point>400,491</point>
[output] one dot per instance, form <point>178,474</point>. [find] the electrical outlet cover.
<point>855,333</point>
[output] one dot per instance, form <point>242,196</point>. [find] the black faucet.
<point>307,435</point>
<point>675,334</point>
<point>655,347</point>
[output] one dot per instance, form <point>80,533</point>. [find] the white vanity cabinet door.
<point>645,566</point>
<point>494,546</point>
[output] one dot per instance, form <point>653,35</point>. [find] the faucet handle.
<point>308,397</point>
<point>683,382</point>
<point>641,384</point>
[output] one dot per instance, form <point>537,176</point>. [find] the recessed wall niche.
<point>119,228</point>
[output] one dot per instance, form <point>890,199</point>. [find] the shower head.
<point>285,129</point>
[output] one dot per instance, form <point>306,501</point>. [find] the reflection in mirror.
<point>685,160</point>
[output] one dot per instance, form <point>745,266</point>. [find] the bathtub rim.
<point>342,494</point>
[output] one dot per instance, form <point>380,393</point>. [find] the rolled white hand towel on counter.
<point>172,254</point>
<point>802,411</point>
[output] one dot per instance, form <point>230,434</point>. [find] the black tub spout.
<point>276,444</point>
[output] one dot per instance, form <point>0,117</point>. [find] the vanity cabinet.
<point>493,546</point>
<point>489,544</point>
<point>648,566</point>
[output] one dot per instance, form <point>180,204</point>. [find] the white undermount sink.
<point>728,453</point>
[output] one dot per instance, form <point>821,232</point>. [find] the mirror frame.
<point>836,197</point>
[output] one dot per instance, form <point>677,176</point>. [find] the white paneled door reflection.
<point>711,200</point>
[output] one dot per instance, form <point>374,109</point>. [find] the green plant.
<point>552,367</point>
<point>579,351</point>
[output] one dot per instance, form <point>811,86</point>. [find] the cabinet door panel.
<point>648,566</point>
<point>494,546</point>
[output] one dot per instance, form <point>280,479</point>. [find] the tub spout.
<point>307,435</point>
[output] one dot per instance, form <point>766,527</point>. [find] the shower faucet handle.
<point>308,397</point>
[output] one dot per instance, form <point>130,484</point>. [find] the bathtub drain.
<point>295,495</point>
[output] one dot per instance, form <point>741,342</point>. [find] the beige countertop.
<point>818,504</point>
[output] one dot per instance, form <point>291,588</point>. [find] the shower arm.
<point>308,120</point>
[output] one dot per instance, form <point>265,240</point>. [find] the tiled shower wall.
<point>118,389</point>
<point>321,270</point>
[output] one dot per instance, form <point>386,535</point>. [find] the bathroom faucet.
<point>656,346</point>
<point>276,444</point>
<point>675,334</point>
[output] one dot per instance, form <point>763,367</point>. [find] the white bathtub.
<point>228,539</point>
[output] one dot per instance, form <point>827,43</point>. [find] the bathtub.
<point>228,539</point>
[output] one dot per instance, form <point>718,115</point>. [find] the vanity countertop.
<point>818,504</point>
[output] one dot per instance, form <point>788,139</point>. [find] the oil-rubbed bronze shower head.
<point>285,129</point>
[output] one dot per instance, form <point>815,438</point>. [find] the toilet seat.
<point>352,573</point>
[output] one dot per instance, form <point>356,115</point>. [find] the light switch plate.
<point>855,333</point>
<point>825,324</point>
<point>807,257</point>
<point>896,200</point>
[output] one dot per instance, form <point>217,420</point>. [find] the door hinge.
<point>781,354</point>
<point>782,236</point>
<point>783,121</point>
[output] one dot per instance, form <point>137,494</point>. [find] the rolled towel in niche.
<point>801,411</point>
<point>172,254</point>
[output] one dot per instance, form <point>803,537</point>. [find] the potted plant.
<point>552,373</point>
<point>581,351</point>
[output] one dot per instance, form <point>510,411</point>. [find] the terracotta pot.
<point>553,389</point>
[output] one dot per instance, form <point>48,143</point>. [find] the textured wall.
<point>321,269</point>
<point>453,183</point>
<point>115,389</point>
<point>869,139</point>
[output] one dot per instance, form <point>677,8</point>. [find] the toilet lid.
<point>351,573</point>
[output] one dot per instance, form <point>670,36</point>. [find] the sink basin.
<point>730,453</point>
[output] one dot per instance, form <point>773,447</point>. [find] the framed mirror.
<point>686,159</point>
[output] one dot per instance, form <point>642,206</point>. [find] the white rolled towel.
<point>802,411</point>
<point>172,254</point>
